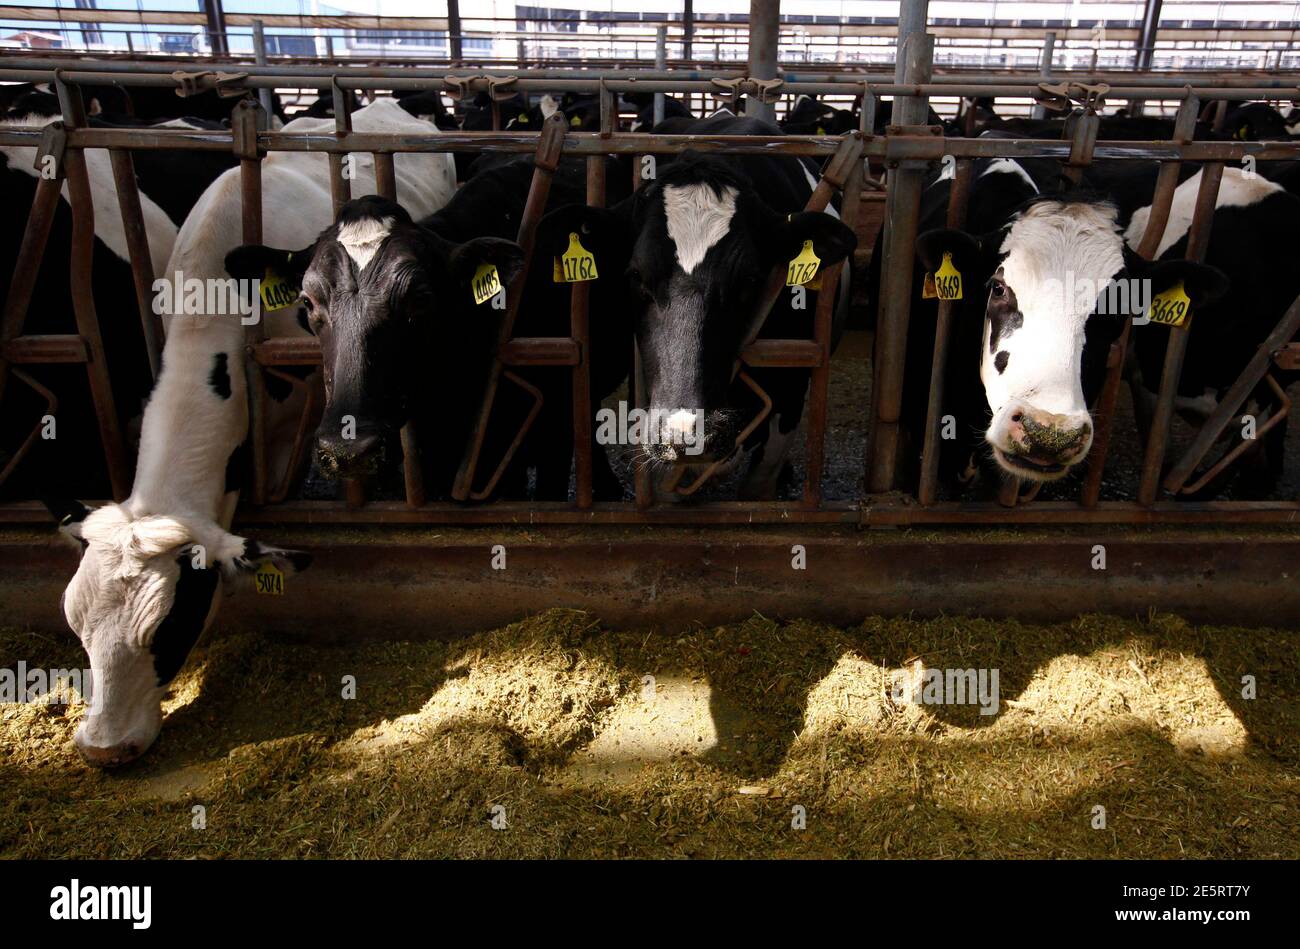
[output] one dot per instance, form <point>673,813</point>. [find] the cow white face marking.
<point>1058,259</point>
<point>698,217</point>
<point>361,238</point>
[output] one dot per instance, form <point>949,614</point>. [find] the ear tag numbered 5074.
<point>486,283</point>
<point>947,280</point>
<point>804,267</point>
<point>576,264</point>
<point>1170,308</point>
<point>269,580</point>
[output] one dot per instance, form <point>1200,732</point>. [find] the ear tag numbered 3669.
<point>576,264</point>
<point>486,283</point>
<point>269,580</point>
<point>1170,308</point>
<point>276,292</point>
<point>804,267</point>
<point>947,280</point>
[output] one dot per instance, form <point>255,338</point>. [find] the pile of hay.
<point>547,739</point>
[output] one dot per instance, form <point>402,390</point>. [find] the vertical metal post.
<point>688,28</point>
<point>916,53</point>
<point>243,124</point>
<point>661,61</point>
<point>137,241</point>
<point>453,31</point>
<point>1146,46</point>
<point>1045,67</point>
<point>764,30</point>
<point>259,53</point>
<point>1198,241</point>
<point>216,18</point>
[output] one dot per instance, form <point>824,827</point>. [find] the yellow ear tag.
<point>803,268</point>
<point>486,283</point>
<point>575,122</point>
<point>1171,307</point>
<point>523,119</point>
<point>276,292</point>
<point>820,130</point>
<point>269,579</point>
<point>575,265</point>
<point>947,280</point>
<point>928,290</point>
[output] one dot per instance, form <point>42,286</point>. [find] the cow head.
<point>372,285</point>
<point>143,593</point>
<point>695,249</point>
<point>1060,282</point>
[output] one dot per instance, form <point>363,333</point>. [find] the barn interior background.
<point>400,561</point>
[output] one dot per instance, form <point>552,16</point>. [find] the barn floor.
<point>552,720</point>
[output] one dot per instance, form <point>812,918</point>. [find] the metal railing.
<point>906,150</point>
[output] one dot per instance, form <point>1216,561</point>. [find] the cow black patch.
<point>236,465</point>
<point>219,378</point>
<point>181,627</point>
<point>1000,361</point>
<point>1004,314</point>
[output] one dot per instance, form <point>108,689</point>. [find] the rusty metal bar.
<point>243,125</point>
<point>1104,414</point>
<point>138,250</point>
<point>1255,370</point>
<point>549,145</point>
<point>1198,240</point>
<point>928,486</point>
<point>385,176</point>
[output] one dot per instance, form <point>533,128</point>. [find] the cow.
<point>403,339</point>
<point>72,461</point>
<point>296,207</point>
<point>694,247</point>
<point>116,101</point>
<point>809,117</point>
<point>1061,275</point>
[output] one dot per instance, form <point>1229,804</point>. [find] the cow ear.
<point>605,232</point>
<point>831,238</point>
<point>257,261</point>
<point>253,554</point>
<point>465,260</point>
<point>1203,284</point>
<point>965,249</point>
<point>68,514</point>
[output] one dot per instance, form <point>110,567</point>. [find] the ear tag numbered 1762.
<point>1170,308</point>
<point>576,264</point>
<point>276,292</point>
<point>804,267</point>
<point>947,280</point>
<point>269,580</point>
<point>486,283</point>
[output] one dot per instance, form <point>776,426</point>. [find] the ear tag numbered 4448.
<point>276,292</point>
<point>576,264</point>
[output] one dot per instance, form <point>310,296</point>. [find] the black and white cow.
<point>694,247</point>
<point>71,462</point>
<point>1035,279</point>
<point>404,340</point>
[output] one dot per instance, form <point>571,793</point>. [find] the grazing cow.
<point>1034,268</point>
<point>403,339</point>
<point>71,462</point>
<point>296,207</point>
<point>694,248</point>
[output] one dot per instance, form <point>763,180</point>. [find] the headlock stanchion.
<point>906,149</point>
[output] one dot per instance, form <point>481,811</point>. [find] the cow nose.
<point>336,453</point>
<point>112,756</point>
<point>1048,437</point>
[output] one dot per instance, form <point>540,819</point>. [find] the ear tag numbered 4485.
<point>1170,308</point>
<point>804,266</point>
<point>576,264</point>
<point>276,292</point>
<point>486,283</point>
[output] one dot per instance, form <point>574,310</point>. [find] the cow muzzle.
<point>339,457</point>
<point>1038,445</point>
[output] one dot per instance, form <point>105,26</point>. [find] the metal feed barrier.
<point>905,149</point>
